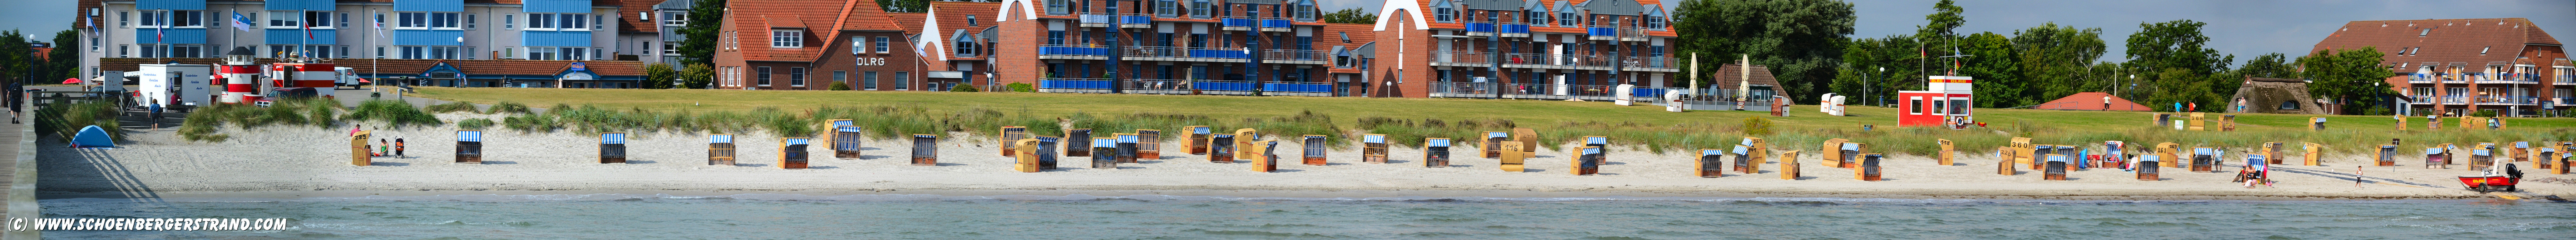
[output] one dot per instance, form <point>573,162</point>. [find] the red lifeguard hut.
<point>1948,103</point>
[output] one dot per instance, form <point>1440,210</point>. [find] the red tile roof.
<point>821,20</point>
<point>2443,41</point>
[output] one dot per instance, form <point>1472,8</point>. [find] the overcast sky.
<point>2245,28</point>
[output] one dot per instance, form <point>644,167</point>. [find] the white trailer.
<point>174,85</point>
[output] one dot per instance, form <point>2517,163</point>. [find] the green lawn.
<point>1698,129</point>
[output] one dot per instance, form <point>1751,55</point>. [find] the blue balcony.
<point>1185,54</point>
<point>1135,20</point>
<point>1647,92</point>
<point>1298,87</point>
<point>1073,85</point>
<point>1515,30</point>
<point>1276,24</point>
<point>1221,85</point>
<point>1072,52</point>
<point>1602,33</point>
<point>1479,28</point>
<point>1236,23</point>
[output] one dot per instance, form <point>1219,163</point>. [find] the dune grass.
<point>891,114</point>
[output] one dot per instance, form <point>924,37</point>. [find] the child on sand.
<point>398,147</point>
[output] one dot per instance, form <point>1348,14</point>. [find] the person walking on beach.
<point>398,147</point>
<point>16,96</point>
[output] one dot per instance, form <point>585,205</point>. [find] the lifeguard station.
<point>791,152</point>
<point>1948,103</point>
<point>469,146</point>
<point>612,147</point>
<point>1435,152</point>
<point>925,150</point>
<point>720,149</point>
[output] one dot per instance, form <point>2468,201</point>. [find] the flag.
<point>241,22</point>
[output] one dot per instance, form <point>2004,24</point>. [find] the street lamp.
<point>1874,101</point>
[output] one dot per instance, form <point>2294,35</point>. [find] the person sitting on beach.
<point>398,147</point>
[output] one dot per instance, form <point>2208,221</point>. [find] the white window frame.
<point>470,22</point>
<point>572,22</point>
<point>125,19</point>
<point>446,20</point>
<point>411,52</point>
<point>884,45</point>
<point>786,38</point>
<point>675,19</point>
<point>509,21</point>
<point>670,50</point>
<point>344,19</point>
<point>540,53</point>
<point>190,20</point>
<point>318,24</point>
<point>541,22</point>
<point>285,19</point>
<point>411,21</point>
<point>446,52</point>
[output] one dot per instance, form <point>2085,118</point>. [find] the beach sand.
<point>292,162</point>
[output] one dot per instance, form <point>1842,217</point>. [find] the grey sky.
<point>2246,28</point>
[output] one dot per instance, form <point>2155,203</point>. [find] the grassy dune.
<point>1409,119</point>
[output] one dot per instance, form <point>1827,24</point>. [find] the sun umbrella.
<point>71,80</point>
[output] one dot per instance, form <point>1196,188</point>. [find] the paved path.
<point>18,172</point>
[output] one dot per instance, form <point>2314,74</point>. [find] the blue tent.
<point>92,136</point>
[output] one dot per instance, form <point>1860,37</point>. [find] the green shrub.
<point>2483,113</point>
<point>964,88</point>
<point>510,107</point>
<point>396,113</point>
<point>1757,126</point>
<point>840,86</point>
<point>1023,87</point>
<point>457,106</point>
<point>65,121</point>
<point>474,124</point>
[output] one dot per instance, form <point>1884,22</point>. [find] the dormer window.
<point>1444,14</point>
<point>1306,11</point>
<point>786,38</point>
<point>1655,22</point>
<point>2483,51</point>
<point>970,20</point>
<point>1535,17</point>
<point>1167,8</point>
<point>1566,19</point>
<point>1059,7</point>
<point>1199,8</point>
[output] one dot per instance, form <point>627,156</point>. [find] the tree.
<point>64,61</point>
<point>659,75</point>
<point>2185,71</point>
<point>1353,15</point>
<point>697,75</point>
<point>2352,77</point>
<point>16,57</point>
<point>1993,64</point>
<point>2057,61</point>
<point>1801,41</point>
<point>2272,65</point>
<point>1939,35</point>
<point>698,45</point>
<point>1878,67</point>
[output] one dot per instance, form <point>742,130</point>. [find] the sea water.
<point>789,216</point>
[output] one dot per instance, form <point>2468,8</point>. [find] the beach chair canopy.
<point>2481,152</point>
<point>1435,142</point>
<point>2522,144</point>
<point>1129,138</point>
<point>1747,142</point>
<point>469,136</point>
<point>2057,158</point>
<point>2204,151</point>
<point>1591,150</point>
<point>837,123</point>
<point>798,141</point>
<point>2255,160</point>
<point>2151,158</point>
<point>1198,130</point>
<point>1498,135</point>
<point>1851,146</point>
<point>1741,149</point>
<point>1104,142</point>
<point>719,138</point>
<point>847,129</point>
<point>612,138</point>
<point>1596,140</point>
<point>1712,152</point>
<point>1373,138</point>
<point>2432,150</point>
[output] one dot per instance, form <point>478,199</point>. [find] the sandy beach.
<point>291,162</point>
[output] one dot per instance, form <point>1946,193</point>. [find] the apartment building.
<point>1525,49</point>
<point>343,30</point>
<point>1228,47</point>
<point>2454,67</point>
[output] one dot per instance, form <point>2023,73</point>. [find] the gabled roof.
<point>629,12</point>
<point>1614,7</point>
<point>2444,41</point>
<point>1512,5</point>
<point>1729,76</point>
<point>2092,101</point>
<point>822,21</point>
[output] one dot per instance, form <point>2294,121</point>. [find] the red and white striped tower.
<point>241,77</point>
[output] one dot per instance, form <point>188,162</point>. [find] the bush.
<point>964,88</point>
<point>65,121</point>
<point>397,113</point>
<point>457,106</point>
<point>1023,87</point>
<point>510,107</point>
<point>659,75</point>
<point>474,124</point>
<point>840,86</point>
<point>1757,126</point>
<point>2483,113</point>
